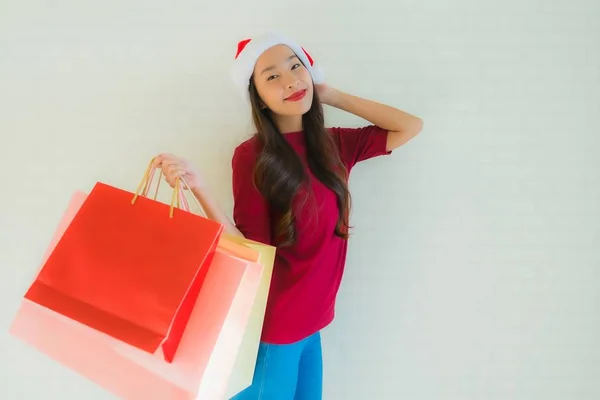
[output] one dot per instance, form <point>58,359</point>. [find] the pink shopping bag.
<point>207,349</point>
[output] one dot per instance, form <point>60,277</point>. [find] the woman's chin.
<point>290,108</point>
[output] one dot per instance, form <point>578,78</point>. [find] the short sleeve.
<point>359,144</point>
<point>250,209</point>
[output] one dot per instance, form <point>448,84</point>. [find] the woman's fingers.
<point>188,177</point>
<point>173,167</point>
<point>173,172</point>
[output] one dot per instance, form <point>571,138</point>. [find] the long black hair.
<point>279,172</point>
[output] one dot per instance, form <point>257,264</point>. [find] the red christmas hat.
<point>248,51</point>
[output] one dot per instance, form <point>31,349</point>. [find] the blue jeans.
<point>287,372</point>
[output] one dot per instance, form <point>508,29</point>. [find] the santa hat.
<point>249,50</point>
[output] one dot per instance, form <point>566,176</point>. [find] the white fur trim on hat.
<point>250,49</point>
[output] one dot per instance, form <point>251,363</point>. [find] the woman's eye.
<point>297,65</point>
<point>271,77</point>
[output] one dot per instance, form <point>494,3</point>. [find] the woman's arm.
<point>401,125</point>
<point>250,210</point>
<point>214,212</point>
<point>173,167</point>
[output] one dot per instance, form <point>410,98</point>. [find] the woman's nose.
<point>291,81</point>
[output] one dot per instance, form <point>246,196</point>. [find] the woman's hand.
<point>327,94</point>
<point>174,167</point>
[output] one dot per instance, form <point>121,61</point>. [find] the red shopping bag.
<point>129,269</point>
<point>206,353</point>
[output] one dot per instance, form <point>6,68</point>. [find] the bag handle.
<point>177,199</point>
<point>232,248</point>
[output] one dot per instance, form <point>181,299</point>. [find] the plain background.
<point>473,271</point>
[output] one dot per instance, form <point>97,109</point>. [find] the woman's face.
<point>283,83</point>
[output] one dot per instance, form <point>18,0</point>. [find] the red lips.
<point>299,95</point>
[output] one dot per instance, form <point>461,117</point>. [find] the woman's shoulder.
<point>249,144</point>
<point>247,151</point>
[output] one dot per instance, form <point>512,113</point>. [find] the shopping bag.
<point>237,348</point>
<point>243,370</point>
<point>207,348</point>
<point>217,350</point>
<point>129,266</point>
<point>245,361</point>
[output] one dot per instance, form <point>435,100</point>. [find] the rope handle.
<point>178,198</point>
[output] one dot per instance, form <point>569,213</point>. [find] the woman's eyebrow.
<point>272,67</point>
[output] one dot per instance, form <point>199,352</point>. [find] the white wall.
<point>474,266</point>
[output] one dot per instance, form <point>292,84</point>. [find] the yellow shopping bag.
<point>243,371</point>
<point>245,361</point>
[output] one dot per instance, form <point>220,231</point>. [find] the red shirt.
<point>306,276</point>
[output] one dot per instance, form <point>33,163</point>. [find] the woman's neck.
<point>287,124</point>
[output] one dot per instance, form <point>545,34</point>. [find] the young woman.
<point>290,188</point>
